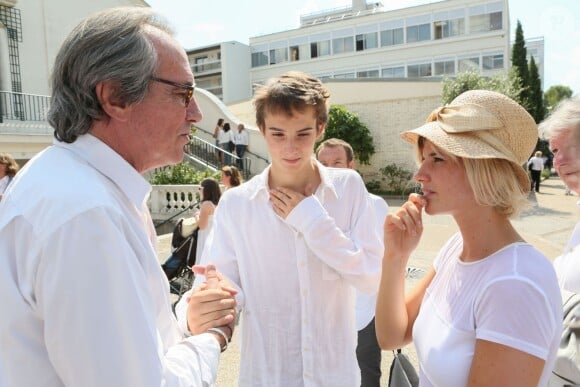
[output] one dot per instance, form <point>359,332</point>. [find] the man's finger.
<point>211,277</point>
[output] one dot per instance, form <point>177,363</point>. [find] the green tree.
<point>520,62</point>
<point>347,126</point>
<point>555,94</point>
<point>508,84</point>
<point>536,96</point>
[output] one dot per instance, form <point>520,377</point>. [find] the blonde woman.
<point>488,312</point>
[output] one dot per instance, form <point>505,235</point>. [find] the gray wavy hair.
<point>111,45</point>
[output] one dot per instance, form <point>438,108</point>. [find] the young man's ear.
<point>106,92</point>
<point>321,128</point>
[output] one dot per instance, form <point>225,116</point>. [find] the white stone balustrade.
<point>168,200</point>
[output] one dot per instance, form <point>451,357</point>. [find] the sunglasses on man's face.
<point>189,89</point>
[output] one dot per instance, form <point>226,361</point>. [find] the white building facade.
<point>366,41</point>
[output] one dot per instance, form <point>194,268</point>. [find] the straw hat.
<point>482,124</point>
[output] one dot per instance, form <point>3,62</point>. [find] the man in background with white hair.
<point>562,128</point>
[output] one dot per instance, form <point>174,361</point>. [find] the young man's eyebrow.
<point>282,130</point>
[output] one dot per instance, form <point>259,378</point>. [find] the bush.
<point>347,126</point>
<point>398,179</point>
<point>182,173</point>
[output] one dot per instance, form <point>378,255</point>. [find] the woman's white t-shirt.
<point>511,298</point>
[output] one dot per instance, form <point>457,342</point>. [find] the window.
<point>419,70</point>
<point>448,28</point>
<point>392,37</point>
<point>278,55</point>
<point>393,72</point>
<point>366,41</point>
<point>367,74</point>
<point>259,59</point>
<point>492,62</point>
<point>321,48</point>
<point>344,75</point>
<point>300,52</point>
<point>341,45</point>
<point>444,67</point>
<point>465,64</point>
<point>486,22</point>
<point>418,33</point>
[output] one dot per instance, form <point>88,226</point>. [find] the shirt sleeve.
<point>567,268</point>
<point>100,318</point>
<point>516,313</point>
<point>356,254</point>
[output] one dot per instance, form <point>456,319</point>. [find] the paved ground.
<point>547,224</point>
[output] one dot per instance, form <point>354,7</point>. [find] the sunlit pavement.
<point>547,225</point>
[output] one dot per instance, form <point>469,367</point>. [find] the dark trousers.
<point>368,354</point>
<point>536,179</point>
<point>240,151</point>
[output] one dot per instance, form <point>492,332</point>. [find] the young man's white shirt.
<point>366,303</point>
<point>296,278</point>
<point>80,210</point>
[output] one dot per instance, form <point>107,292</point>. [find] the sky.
<point>205,23</point>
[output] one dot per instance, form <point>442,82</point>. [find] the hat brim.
<point>464,145</point>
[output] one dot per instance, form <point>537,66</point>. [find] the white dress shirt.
<point>567,265</point>
<point>84,300</point>
<point>241,138</point>
<point>296,278</point>
<point>366,303</point>
<point>4,184</point>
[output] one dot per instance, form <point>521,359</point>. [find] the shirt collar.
<point>109,163</point>
<point>326,185</point>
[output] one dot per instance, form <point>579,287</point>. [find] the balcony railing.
<point>23,107</point>
<point>206,67</point>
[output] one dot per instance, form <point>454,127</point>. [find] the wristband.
<point>222,334</point>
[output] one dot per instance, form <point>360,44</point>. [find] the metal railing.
<point>23,107</point>
<point>257,156</point>
<point>214,157</point>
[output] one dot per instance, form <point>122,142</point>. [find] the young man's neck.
<point>304,181</point>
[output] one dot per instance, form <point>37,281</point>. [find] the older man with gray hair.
<point>85,302</point>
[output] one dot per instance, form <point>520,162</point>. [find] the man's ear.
<point>106,92</point>
<point>350,164</point>
<point>321,128</point>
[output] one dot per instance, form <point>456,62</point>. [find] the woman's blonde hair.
<point>494,182</point>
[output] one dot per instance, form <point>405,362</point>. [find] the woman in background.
<point>216,132</point>
<point>231,176</point>
<point>210,196</point>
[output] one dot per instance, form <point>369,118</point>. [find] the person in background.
<point>231,177</point>
<point>241,140</point>
<point>210,196</point>
<point>309,240</point>
<point>536,166</point>
<point>216,132</point>
<point>8,169</point>
<point>336,153</point>
<point>488,312</point>
<point>85,301</point>
<point>562,129</point>
<point>225,138</point>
